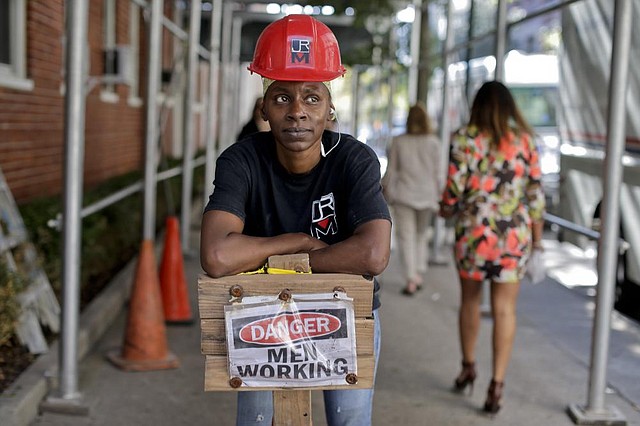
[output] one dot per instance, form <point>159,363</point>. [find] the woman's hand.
<point>312,243</point>
<point>366,252</point>
<point>446,211</point>
<point>537,245</point>
<point>225,250</point>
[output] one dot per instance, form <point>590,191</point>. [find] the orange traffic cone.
<point>145,343</point>
<point>175,297</point>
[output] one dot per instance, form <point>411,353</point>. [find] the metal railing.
<point>623,245</point>
<point>56,223</point>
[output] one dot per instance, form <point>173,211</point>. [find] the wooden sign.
<point>292,406</point>
<point>214,294</point>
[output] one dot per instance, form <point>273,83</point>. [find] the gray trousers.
<point>412,231</point>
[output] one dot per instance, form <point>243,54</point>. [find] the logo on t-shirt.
<point>323,217</point>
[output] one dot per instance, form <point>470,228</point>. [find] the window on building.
<point>13,45</point>
<point>5,34</point>
<point>134,56</point>
<point>108,93</point>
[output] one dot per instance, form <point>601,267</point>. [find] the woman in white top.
<point>412,187</point>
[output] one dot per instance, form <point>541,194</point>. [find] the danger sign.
<point>289,328</point>
<point>300,343</point>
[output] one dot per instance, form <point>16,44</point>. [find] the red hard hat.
<point>297,48</point>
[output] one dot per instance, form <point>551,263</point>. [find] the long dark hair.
<point>495,111</point>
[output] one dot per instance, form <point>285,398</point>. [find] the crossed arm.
<point>224,250</point>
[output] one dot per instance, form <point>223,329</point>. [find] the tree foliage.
<point>367,8</point>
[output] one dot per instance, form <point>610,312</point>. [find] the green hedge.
<point>11,284</point>
<point>110,237</point>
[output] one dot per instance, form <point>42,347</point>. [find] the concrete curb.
<point>19,403</point>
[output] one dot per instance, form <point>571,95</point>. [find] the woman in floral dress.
<point>493,189</point>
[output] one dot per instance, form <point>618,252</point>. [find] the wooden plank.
<point>293,262</point>
<point>292,408</point>
<point>216,376</point>
<point>213,293</point>
<point>213,337</point>
<point>38,303</point>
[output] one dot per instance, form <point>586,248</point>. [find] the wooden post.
<point>292,408</point>
<point>294,262</point>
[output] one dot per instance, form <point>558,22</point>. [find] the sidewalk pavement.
<point>420,357</point>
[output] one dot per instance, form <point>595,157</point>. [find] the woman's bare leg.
<point>504,298</point>
<point>469,317</point>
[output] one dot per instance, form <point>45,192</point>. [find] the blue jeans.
<point>349,407</point>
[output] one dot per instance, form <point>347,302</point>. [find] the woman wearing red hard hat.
<point>299,188</point>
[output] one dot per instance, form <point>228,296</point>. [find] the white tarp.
<point>308,341</point>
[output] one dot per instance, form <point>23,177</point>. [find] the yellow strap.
<point>274,271</point>
<point>262,270</point>
<point>284,271</point>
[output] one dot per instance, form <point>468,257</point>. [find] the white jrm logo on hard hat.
<point>300,49</point>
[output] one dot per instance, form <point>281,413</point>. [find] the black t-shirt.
<point>340,193</point>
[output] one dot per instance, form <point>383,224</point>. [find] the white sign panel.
<point>301,343</point>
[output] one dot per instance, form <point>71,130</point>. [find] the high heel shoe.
<point>494,396</point>
<point>411,288</point>
<point>466,377</point>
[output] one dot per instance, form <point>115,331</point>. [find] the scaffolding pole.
<point>445,124</point>
<point>416,27</point>
<point>152,126</point>
<point>68,399</point>
<point>214,90</point>
<point>189,122</point>
<point>501,39</point>
<point>596,412</point>
<point>224,132</point>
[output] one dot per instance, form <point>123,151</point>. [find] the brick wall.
<point>32,122</point>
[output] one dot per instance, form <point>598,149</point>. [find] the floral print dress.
<point>496,193</point>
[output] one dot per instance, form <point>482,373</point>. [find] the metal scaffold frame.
<point>223,54</point>
<point>67,398</point>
